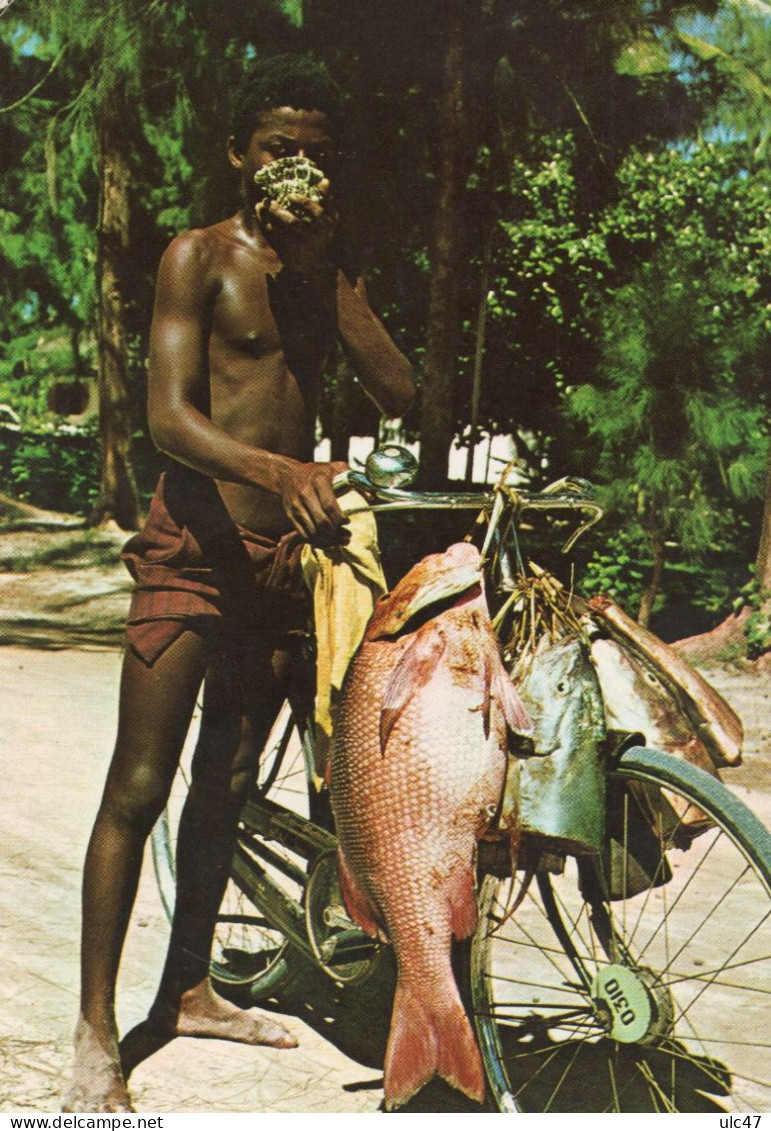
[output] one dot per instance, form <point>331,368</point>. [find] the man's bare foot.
<point>97,1083</point>
<point>201,1013</point>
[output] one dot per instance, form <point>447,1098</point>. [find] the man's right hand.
<point>310,503</point>
<point>302,233</point>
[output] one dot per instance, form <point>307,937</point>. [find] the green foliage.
<point>629,284</point>
<point>616,569</point>
<point>736,45</point>
<point>695,592</point>
<point>670,415</point>
<point>758,632</point>
<point>560,275</point>
<point>55,472</point>
<point>757,627</point>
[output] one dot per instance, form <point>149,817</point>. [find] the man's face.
<point>285,133</point>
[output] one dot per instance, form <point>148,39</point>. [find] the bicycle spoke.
<point>551,1054</point>
<point>563,1077</point>
<point>526,982</point>
<point>614,1088</point>
<point>527,942</point>
<point>647,1074</point>
<point>711,981</point>
<point>625,862</point>
<point>727,966</point>
<point>574,921</point>
<point>570,1008</point>
<point>731,1041</point>
<point>557,967</point>
<point>688,918</point>
<point>705,920</point>
<point>675,1051</point>
<point>682,892</point>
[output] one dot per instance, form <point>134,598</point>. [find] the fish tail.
<point>430,1037</point>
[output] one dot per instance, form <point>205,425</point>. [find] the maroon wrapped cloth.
<point>222,574</point>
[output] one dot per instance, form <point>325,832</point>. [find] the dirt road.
<point>57,710</point>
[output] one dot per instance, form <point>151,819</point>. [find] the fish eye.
<point>651,678</point>
<point>562,687</point>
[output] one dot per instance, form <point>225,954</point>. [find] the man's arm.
<point>178,398</point>
<point>383,370</point>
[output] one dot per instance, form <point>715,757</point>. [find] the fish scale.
<point>408,814</point>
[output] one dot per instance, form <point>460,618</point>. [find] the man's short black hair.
<point>299,81</point>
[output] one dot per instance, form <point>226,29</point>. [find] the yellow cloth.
<point>345,582</point>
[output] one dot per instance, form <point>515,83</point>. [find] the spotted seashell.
<point>287,177</point>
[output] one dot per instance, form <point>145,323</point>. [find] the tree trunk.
<point>652,591</point>
<point>342,414</point>
<point>118,501</point>
<point>763,560</point>
<point>479,352</point>
<point>443,322</point>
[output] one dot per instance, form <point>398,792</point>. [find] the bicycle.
<point>656,993</point>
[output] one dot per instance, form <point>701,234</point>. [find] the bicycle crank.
<point>342,951</point>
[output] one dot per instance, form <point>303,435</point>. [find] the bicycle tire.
<point>250,959</point>
<point>688,954</point>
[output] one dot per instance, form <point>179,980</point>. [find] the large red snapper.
<point>418,767</point>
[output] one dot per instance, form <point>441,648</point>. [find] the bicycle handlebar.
<point>568,493</point>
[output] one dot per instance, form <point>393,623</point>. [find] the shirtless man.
<point>245,313</point>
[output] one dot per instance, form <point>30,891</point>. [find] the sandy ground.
<point>57,703</point>
<point>58,717</point>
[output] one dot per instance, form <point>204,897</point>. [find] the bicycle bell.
<point>391,466</point>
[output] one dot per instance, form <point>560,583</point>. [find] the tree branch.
<point>20,101</point>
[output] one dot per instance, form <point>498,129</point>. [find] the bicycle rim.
<point>670,930</point>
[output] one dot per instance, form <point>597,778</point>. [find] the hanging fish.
<point>418,766</point>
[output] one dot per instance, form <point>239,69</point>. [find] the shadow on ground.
<point>547,1074</point>
<point>356,1021</point>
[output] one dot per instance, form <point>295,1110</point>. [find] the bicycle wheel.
<point>250,958</point>
<point>639,981</point>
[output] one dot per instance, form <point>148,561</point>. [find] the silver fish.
<point>714,722</point>
<point>638,700</point>
<point>562,789</point>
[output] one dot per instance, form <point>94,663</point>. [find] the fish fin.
<point>430,1037</point>
<point>413,671</point>
<point>463,903</point>
<point>517,718</point>
<point>356,902</point>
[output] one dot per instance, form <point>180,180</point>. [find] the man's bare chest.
<point>242,320</point>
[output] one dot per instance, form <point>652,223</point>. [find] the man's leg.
<point>243,692</point>
<point>156,706</point>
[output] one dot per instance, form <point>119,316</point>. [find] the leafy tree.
<point>554,69</point>
<point>736,45</point>
<point>543,209</point>
<point>678,440</point>
<point>108,144</point>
